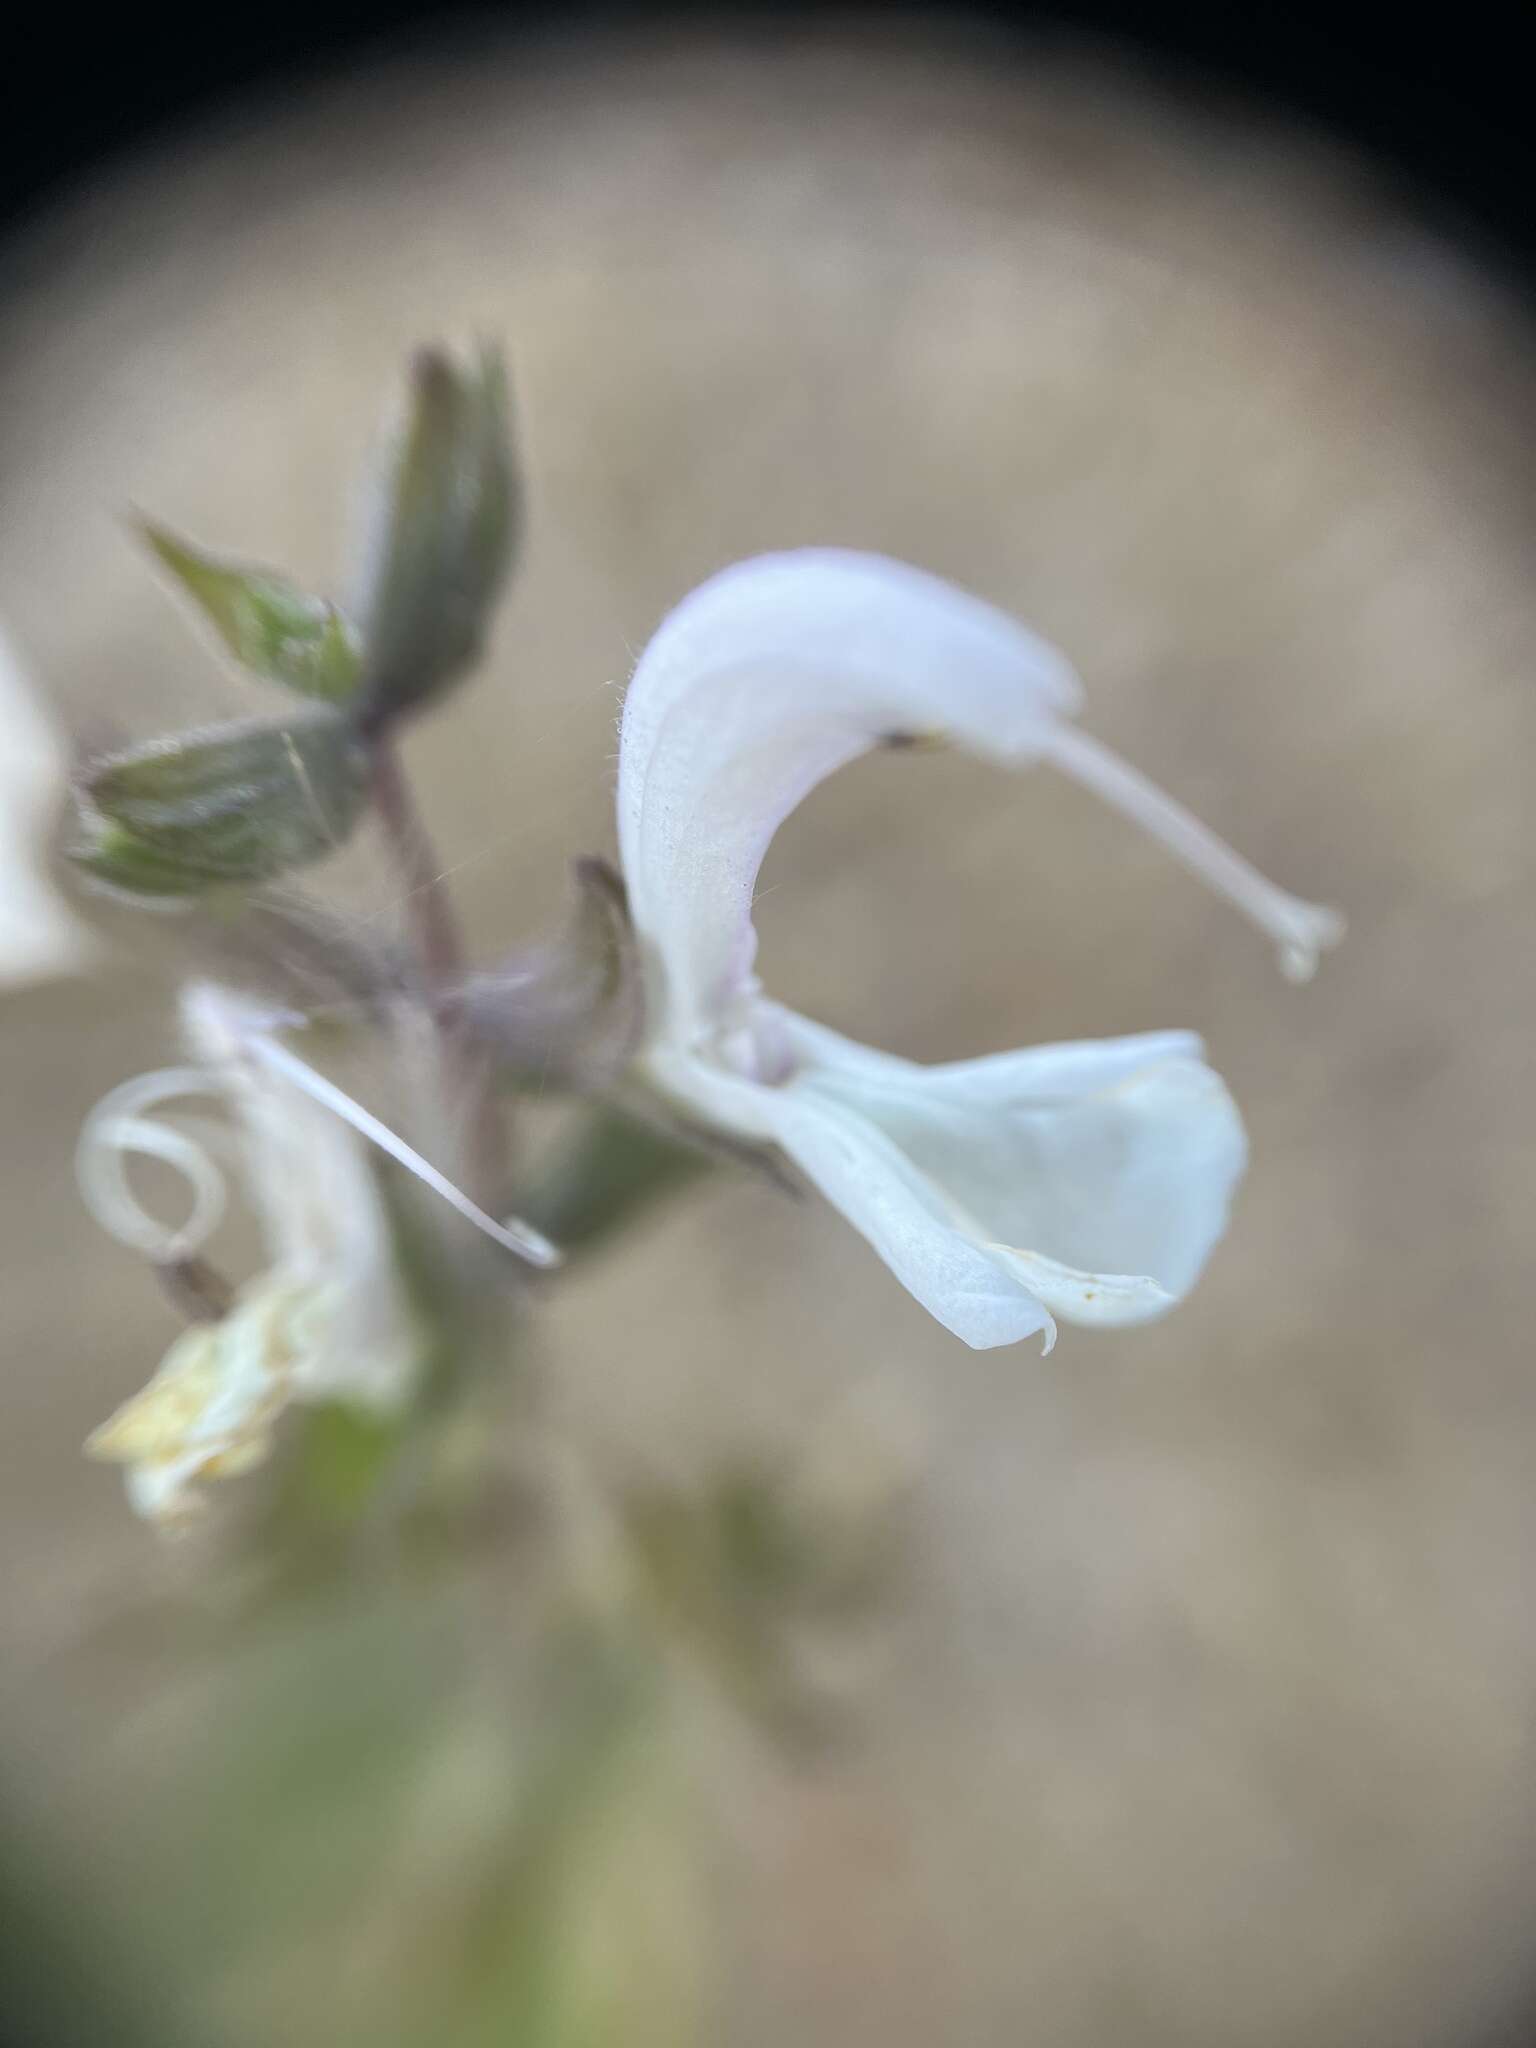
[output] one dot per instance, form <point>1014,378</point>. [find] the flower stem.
<point>441,963</point>
<point>428,906</point>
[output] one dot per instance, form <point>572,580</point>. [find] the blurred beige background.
<point>1211,1722</point>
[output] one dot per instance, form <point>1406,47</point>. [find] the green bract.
<point>268,623</point>
<point>233,803</point>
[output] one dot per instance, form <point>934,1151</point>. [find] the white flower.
<point>1090,1180</point>
<point>39,934</point>
<point>328,1320</point>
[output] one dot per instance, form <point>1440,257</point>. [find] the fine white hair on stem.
<point>513,1235</point>
<point>1300,930</point>
<point>117,1128</point>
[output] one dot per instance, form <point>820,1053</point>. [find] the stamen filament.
<point>1301,930</point>
<point>115,1128</point>
<point>512,1234</point>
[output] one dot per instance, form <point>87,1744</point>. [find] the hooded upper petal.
<point>762,682</point>
<point>781,669</point>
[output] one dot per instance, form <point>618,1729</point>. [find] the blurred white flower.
<point>39,934</point>
<point>1086,1180</point>
<point>328,1320</point>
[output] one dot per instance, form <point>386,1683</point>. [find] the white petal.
<point>1109,1299</point>
<point>322,1213</point>
<point>1110,1164</point>
<point>761,683</point>
<point>1044,1073</point>
<point>39,934</point>
<point>780,670</point>
<point>980,1293</point>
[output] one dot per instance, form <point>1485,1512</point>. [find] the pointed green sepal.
<point>267,623</point>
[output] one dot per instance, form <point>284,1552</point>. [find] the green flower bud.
<point>442,530</point>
